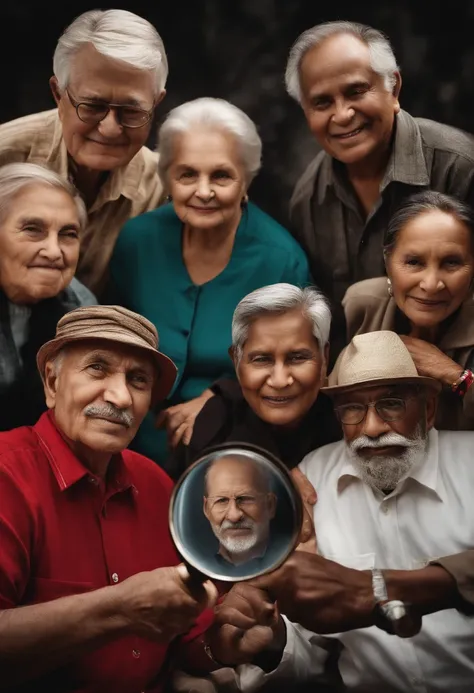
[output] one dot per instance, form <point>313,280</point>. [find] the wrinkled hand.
<point>179,420</point>
<point>246,623</point>
<point>309,497</point>
<point>163,603</point>
<point>321,595</point>
<point>431,362</point>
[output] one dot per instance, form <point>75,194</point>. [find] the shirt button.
<point>115,577</point>
<point>385,508</point>
<point>416,682</point>
<point>93,480</point>
<point>136,653</point>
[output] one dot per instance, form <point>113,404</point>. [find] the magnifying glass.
<point>235,513</point>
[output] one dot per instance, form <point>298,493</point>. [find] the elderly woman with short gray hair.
<point>280,350</point>
<point>42,218</point>
<point>186,265</point>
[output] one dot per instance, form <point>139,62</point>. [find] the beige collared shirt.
<point>127,192</point>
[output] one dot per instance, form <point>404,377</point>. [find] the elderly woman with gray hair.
<point>280,349</point>
<point>186,265</point>
<point>41,220</point>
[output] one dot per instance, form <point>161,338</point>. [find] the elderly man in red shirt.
<point>85,549</point>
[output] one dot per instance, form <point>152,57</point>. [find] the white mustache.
<point>109,411</point>
<point>241,524</point>
<point>385,440</point>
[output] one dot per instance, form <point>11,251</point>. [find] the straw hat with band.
<point>375,358</point>
<point>112,324</point>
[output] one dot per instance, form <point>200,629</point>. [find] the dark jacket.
<point>227,417</point>
<point>21,389</point>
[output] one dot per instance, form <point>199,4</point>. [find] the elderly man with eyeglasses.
<point>110,70</point>
<point>393,498</point>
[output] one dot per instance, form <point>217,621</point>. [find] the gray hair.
<point>15,177</point>
<point>382,57</point>
<point>116,34</point>
<point>422,203</point>
<point>212,114</point>
<point>277,299</point>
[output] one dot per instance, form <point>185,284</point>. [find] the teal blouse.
<point>194,322</point>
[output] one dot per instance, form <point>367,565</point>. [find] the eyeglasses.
<point>388,408</point>
<point>245,503</point>
<point>94,113</point>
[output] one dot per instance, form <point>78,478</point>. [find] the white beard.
<point>384,473</point>
<point>238,547</point>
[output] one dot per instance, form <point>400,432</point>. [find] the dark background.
<point>237,49</point>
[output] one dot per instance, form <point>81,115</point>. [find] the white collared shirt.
<point>430,514</point>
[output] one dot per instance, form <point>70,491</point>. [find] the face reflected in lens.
<point>239,504</point>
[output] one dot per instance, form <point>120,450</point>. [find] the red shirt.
<point>64,531</point>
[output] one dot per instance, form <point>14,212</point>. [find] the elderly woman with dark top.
<point>279,349</point>
<point>41,220</point>
<point>427,297</point>
<point>186,265</point>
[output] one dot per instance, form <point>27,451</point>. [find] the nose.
<point>117,392</point>
<point>431,282</point>
<point>343,113</point>
<point>51,249</point>
<point>110,127</point>
<point>280,377</point>
<point>204,190</point>
<point>374,426</point>
<point>234,513</point>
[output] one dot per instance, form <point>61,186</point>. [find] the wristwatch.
<point>392,615</point>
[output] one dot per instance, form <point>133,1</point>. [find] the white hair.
<point>278,299</point>
<point>214,114</point>
<point>116,34</point>
<point>382,57</point>
<point>15,177</point>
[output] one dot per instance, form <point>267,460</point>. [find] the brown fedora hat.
<point>112,324</point>
<point>375,358</point>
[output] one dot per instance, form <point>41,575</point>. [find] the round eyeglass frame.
<point>119,108</point>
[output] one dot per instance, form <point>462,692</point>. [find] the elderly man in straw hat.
<point>394,494</point>
<point>85,548</point>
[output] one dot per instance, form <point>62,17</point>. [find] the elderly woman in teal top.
<point>186,265</point>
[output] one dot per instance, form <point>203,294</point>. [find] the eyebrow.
<point>39,221</point>
<point>346,87</point>
<point>100,101</point>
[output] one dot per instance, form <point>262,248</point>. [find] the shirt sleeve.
<point>304,657</point>
<point>17,536</point>
<point>461,567</point>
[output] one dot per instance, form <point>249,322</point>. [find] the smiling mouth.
<point>47,267</point>
<point>107,144</point>
<point>279,401</point>
<point>427,302</point>
<point>349,135</point>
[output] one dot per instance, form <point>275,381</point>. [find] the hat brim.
<point>167,370</point>
<point>430,383</point>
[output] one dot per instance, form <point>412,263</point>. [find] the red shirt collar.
<point>66,467</point>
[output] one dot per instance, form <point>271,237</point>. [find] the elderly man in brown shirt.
<point>347,81</point>
<point>110,70</point>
